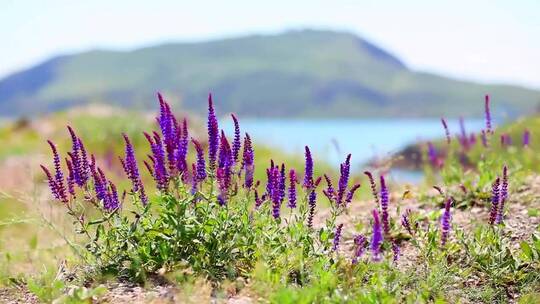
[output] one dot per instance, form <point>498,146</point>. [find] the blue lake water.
<point>333,139</point>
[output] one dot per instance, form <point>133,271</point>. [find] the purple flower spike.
<point>201,165</point>
<point>360,242</point>
<point>111,203</point>
<point>483,136</point>
<point>395,251</point>
<point>329,191</point>
<point>292,189</point>
<point>248,162</point>
<point>276,195</point>
<point>70,178</point>
<point>58,175</point>
<point>258,200</point>
<point>384,206</point>
<point>405,221</point>
<point>182,150</point>
<point>350,195</point>
<point>526,138</point>
<point>308,177</point>
<point>224,168</point>
<point>160,173</point>
<point>343,179</point>
<point>432,155</point>
<point>503,196</point>
<point>488,116</point>
<point>312,203</point>
<point>213,135</point>
<point>373,187</point>
<point>132,170</point>
<point>495,199</point>
<point>194,179</point>
<point>446,220</point>
<point>53,186</point>
<point>446,130</point>
<point>337,237</point>
<point>376,237</point>
<point>236,141</point>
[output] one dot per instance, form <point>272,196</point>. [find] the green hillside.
<point>298,73</point>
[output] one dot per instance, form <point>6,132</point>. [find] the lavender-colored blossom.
<point>182,150</point>
<point>343,180</point>
<point>308,175</point>
<point>70,178</point>
<point>329,192</point>
<point>201,165</point>
<point>111,203</point>
<point>376,237</point>
<point>292,189</point>
<point>132,171</point>
<point>224,168</point>
<point>483,136</point>
<point>258,200</point>
<point>167,124</point>
<point>395,251</point>
<point>58,175</point>
<point>53,186</point>
<point>100,185</point>
<point>84,173</point>
<point>446,130</point>
<point>503,196</point>
<point>405,221</point>
<point>488,115</point>
<point>194,178</point>
<point>360,242</point>
<point>248,162</point>
<point>446,220</point>
<point>495,199</point>
<point>350,194</point>
<point>213,135</point>
<point>373,186</point>
<point>160,174</point>
<point>312,203</point>
<point>236,141</point>
<point>75,156</point>
<point>526,138</point>
<point>384,206</point>
<point>337,237</point>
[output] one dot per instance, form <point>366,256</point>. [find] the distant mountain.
<point>297,73</point>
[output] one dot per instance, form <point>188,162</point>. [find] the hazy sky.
<point>483,40</point>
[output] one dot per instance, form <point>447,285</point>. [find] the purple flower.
<point>132,170</point>
<point>495,199</point>
<point>201,165</point>
<point>432,155</point>
<point>248,162</point>
<point>292,189</point>
<point>337,237</point>
<point>446,130</point>
<point>111,203</point>
<point>526,138</point>
<point>258,200</point>
<point>70,178</point>
<point>161,176</point>
<point>373,186</point>
<point>312,203</point>
<point>167,124</point>
<point>384,206</point>
<point>329,192</point>
<point>308,176</point>
<point>376,237</point>
<point>278,189</point>
<point>213,135</point>
<point>405,221</point>
<point>483,136</point>
<point>350,195</point>
<point>395,251</point>
<point>53,186</point>
<point>194,178</point>
<point>343,179</point>
<point>236,141</point>
<point>360,242</point>
<point>100,185</point>
<point>488,116</point>
<point>503,196</point>
<point>58,175</point>
<point>446,220</point>
<point>182,150</point>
